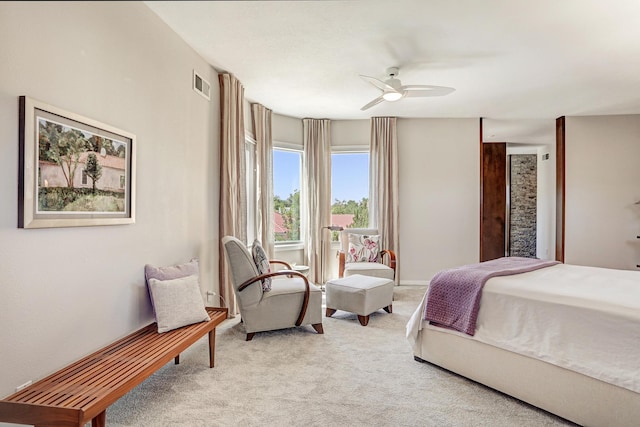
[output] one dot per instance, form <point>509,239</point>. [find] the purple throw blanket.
<point>453,298</point>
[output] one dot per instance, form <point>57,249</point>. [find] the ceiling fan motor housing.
<point>393,71</point>
<point>397,93</point>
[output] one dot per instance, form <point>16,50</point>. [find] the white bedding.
<point>585,319</point>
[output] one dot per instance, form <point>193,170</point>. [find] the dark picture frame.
<point>73,171</point>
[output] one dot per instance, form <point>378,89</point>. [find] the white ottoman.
<point>359,294</point>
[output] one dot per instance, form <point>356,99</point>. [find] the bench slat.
<point>81,391</point>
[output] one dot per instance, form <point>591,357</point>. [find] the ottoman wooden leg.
<point>388,309</point>
<point>364,320</point>
<point>330,312</point>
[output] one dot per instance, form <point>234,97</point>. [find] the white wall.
<point>439,195</point>
<point>546,215</point>
<point>346,134</point>
<point>602,187</point>
<point>67,291</point>
<point>286,129</point>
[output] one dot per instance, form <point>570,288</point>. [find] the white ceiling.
<point>518,63</point>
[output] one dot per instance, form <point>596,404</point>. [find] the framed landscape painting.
<point>73,171</point>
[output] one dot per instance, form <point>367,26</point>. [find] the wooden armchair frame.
<point>289,273</point>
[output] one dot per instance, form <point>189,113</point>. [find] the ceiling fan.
<point>393,90</point>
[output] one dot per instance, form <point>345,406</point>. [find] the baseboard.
<point>414,282</point>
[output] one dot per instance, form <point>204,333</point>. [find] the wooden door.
<point>560,187</point>
<point>493,199</point>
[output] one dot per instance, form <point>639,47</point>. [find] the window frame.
<point>292,244</point>
<point>349,149</point>
<point>251,189</point>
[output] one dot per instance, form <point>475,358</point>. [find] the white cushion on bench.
<point>177,302</point>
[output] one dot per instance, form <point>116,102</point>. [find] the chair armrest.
<point>277,261</point>
<point>341,261</point>
<point>392,259</point>
<point>290,273</point>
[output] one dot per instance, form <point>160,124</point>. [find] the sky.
<point>350,170</point>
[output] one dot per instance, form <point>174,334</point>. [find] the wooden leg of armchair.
<point>250,336</point>
<point>318,328</point>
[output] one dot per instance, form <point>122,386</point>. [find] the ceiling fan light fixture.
<point>391,96</point>
<point>393,90</point>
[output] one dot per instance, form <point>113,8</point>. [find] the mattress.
<point>584,319</point>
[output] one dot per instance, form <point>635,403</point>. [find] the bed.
<point>563,338</point>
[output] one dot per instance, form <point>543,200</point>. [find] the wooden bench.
<point>82,391</point>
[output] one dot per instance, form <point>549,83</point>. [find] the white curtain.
<point>233,197</point>
<point>317,194</point>
<point>383,190</point>
<point>261,117</point>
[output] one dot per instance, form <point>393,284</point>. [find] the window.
<point>287,173</point>
<point>349,190</point>
<point>84,177</point>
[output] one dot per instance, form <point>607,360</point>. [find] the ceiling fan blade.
<point>376,101</point>
<point>415,91</point>
<point>378,83</point>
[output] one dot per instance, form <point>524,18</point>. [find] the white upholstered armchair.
<point>292,300</point>
<point>375,267</point>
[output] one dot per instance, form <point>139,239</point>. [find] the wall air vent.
<point>200,85</point>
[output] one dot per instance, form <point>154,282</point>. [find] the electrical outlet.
<point>23,386</point>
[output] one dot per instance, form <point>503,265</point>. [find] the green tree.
<point>279,204</point>
<point>292,218</point>
<point>71,144</point>
<point>107,144</point>
<point>63,146</point>
<point>289,208</point>
<point>361,214</point>
<point>48,136</point>
<point>359,210</point>
<point>94,143</point>
<point>93,170</point>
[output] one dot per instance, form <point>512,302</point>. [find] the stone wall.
<point>522,229</point>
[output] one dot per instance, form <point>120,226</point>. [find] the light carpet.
<point>350,376</point>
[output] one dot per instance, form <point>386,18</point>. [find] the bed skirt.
<point>568,394</point>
